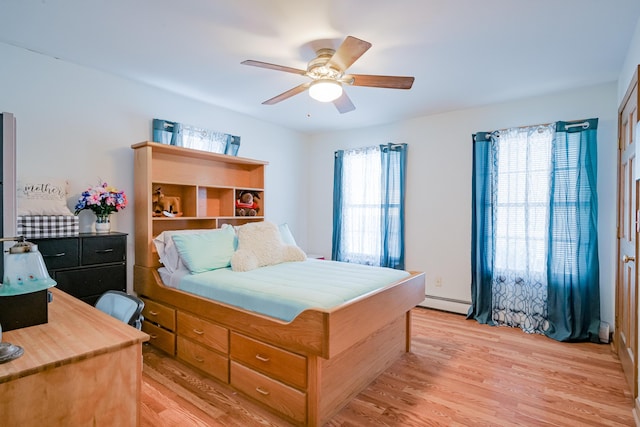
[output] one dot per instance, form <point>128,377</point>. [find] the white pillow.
<point>42,196</point>
<point>286,235</point>
<point>259,245</point>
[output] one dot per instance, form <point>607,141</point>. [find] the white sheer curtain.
<point>360,239</point>
<point>519,284</point>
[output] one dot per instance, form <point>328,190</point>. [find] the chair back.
<point>122,306</point>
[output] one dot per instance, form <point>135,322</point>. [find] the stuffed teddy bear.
<point>246,204</point>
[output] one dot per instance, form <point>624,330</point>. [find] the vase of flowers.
<point>103,200</point>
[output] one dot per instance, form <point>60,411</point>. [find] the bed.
<point>305,369</point>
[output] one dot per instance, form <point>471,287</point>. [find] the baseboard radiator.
<point>446,304</point>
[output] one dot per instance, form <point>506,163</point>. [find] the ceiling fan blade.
<point>288,94</point>
<point>344,104</point>
<point>347,53</point>
<point>391,82</point>
<point>273,67</point>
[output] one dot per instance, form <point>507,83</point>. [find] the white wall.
<point>630,64</point>
<point>439,182</point>
<point>79,124</point>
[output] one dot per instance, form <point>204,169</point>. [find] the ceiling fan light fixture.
<point>325,90</point>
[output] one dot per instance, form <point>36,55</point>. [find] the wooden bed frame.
<point>305,370</point>
<point>345,348</point>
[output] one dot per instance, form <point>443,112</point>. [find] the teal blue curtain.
<point>336,252</point>
<point>394,165</point>
<point>572,266</point>
<point>482,236</point>
<point>382,216</point>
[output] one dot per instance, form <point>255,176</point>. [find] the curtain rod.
<point>584,124</point>
<point>393,145</point>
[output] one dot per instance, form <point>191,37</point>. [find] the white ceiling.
<point>463,53</point>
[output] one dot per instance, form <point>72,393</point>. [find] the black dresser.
<point>87,265</point>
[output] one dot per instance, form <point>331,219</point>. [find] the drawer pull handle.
<point>58,255</point>
<point>262,358</point>
<point>198,359</point>
<point>262,391</point>
<point>153,313</point>
<point>104,251</point>
<point>153,336</point>
<point>198,331</point>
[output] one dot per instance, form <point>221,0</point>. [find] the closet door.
<point>626,328</point>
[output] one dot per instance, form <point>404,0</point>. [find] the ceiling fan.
<point>327,74</point>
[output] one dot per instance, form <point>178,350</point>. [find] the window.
<point>361,206</point>
<point>522,200</point>
<point>368,205</point>
<point>534,245</point>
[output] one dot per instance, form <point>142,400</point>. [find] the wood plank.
<point>458,373</point>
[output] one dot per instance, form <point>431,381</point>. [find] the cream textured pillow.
<point>42,196</point>
<point>259,245</point>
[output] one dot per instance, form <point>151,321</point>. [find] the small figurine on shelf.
<point>246,204</point>
<point>165,205</point>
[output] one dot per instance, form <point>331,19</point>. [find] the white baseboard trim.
<point>446,304</point>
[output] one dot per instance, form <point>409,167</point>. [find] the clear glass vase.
<point>103,224</point>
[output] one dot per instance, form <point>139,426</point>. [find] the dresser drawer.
<point>59,253</point>
<point>204,359</point>
<point>277,363</point>
<point>284,399</point>
<point>160,314</point>
<point>203,332</point>
<point>92,281</point>
<point>160,338</point>
<point>103,250</point>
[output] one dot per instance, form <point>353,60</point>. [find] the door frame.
<point>620,269</point>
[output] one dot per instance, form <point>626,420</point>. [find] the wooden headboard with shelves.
<point>206,184</point>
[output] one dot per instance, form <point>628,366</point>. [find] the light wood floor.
<point>459,373</point>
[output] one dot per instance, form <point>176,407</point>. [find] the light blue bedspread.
<point>285,290</point>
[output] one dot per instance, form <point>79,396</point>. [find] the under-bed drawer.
<point>160,338</point>
<point>277,363</point>
<point>203,332</point>
<point>284,399</point>
<point>204,359</point>
<point>160,314</point>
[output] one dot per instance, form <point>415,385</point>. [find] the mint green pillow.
<point>206,251</point>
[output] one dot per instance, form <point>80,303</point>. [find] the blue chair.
<point>122,306</point>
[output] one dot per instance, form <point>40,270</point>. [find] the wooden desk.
<point>82,368</point>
